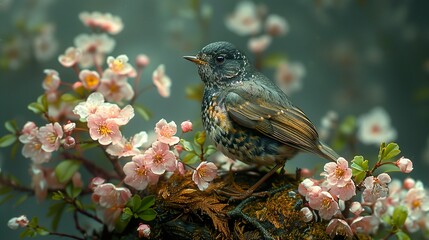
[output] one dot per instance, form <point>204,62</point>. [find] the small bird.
<point>248,116</point>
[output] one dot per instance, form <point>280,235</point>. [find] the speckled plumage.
<point>247,115</point>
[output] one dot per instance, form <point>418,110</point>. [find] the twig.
<point>65,235</point>
<point>92,168</point>
<point>115,163</point>
<point>76,223</point>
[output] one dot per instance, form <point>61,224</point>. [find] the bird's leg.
<point>249,192</point>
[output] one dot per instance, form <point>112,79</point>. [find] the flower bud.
<point>186,126</point>
<point>16,222</point>
<point>306,214</point>
<point>405,165</point>
<point>69,127</point>
<point>409,183</point>
<point>69,142</point>
<point>96,182</point>
<point>142,60</point>
<point>143,230</point>
<point>356,208</point>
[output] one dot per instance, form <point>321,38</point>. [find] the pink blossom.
<point>203,174</point>
<point>115,87</point>
<point>69,142</point>
<point>69,127</point>
<point>90,79</point>
<point>306,214</point>
<point>138,175</point>
<point>339,227</point>
<point>45,46</point>
<point>16,222</point>
<point>289,76</point>
<point>103,21</point>
<point>52,81</point>
<point>70,57</point>
<point>105,130</point>
<point>366,224</point>
<point>417,202</point>
<point>186,126</point>
<point>32,145</point>
<point>93,48</point>
<point>276,25</point>
<point>143,230</point>
<point>159,158</point>
<point>42,180</point>
<point>161,81</point>
<point>339,173</point>
<point>304,186</point>
<point>119,65</point>
<point>376,187</point>
<point>115,113</point>
<point>126,148</point>
<point>28,132</point>
<point>409,183</point>
<point>166,132</point>
<point>258,45</point>
<point>404,164</point>
<point>374,127</point>
<point>326,205</point>
<point>356,208</point>
<point>181,168</point>
<point>50,136</point>
<point>84,109</point>
<point>345,192</point>
<point>142,60</point>
<point>95,182</point>
<point>245,20</point>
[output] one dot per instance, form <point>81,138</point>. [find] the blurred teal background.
<point>357,55</point>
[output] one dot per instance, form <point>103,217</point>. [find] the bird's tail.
<point>327,152</point>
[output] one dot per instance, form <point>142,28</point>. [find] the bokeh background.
<point>357,55</point>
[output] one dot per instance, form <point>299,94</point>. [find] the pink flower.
<point>69,142</point>
<point>70,58</point>
<point>405,165</point>
<point>126,148</point>
<point>204,174</point>
<point>119,65</point>
<point>339,227</point>
<point>159,158</point>
<point>181,168</point>
<point>84,109</point>
<point>105,130</point>
<point>93,48</point>
<point>16,222</point>
<point>142,60</point>
<point>50,136</point>
<point>42,180</point>
<point>306,214</point>
<point>276,25</point>
<point>143,230</point>
<point>376,187</point>
<point>138,175</point>
<point>103,21</point>
<point>32,144</point>
<point>356,208</point>
<point>52,81</point>
<point>69,127</point>
<point>95,182</point>
<point>245,20</point>
<point>45,46</point>
<point>161,81</point>
<point>28,132</point>
<point>305,186</point>
<point>338,174</point>
<point>366,224</point>
<point>289,76</point>
<point>375,127</point>
<point>409,183</point>
<point>115,87</point>
<point>166,132</point>
<point>345,192</point>
<point>258,45</point>
<point>90,79</point>
<point>326,205</point>
<point>417,202</point>
<point>186,126</point>
<point>112,111</point>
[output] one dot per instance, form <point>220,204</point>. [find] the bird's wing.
<point>282,122</point>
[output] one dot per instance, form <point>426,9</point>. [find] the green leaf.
<point>388,152</point>
<point>273,60</point>
<point>57,196</point>
<point>65,170</point>
<point>187,145</point>
<point>148,215</point>
<point>209,150</point>
<point>402,235</point>
<point>146,203</point>
<point>14,150</point>
<point>27,232</point>
<point>4,190</point>
<point>42,231</point>
<point>348,126</point>
<point>43,101</point>
<point>359,168</point>
<point>143,111</point>
<point>36,108</point>
<point>67,97</point>
<point>134,203</point>
<point>21,200</point>
<point>56,211</point>
<point>86,146</point>
<point>72,191</point>
<point>399,216</point>
<point>11,126</point>
<point>200,138</point>
<point>7,140</point>
<point>126,214</point>
<point>190,158</point>
<point>7,198</point>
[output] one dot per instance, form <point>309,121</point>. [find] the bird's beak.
<point>195,60</point>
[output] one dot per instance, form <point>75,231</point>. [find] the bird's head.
<point>220,63</point>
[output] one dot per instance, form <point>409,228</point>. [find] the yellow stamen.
<point>104,130</point>
<point>91,81</point>
<point>117,65</point>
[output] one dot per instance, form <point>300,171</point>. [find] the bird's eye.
<point>220,59</point>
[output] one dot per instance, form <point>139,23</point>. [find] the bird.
<point>248,117</point>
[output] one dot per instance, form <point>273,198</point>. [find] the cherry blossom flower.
<point>339,227</point>
<point>17,51</point>
<point>181,168</point>
<point>258,45</point>
<point>245,20</point>
<point>276,25</point>
<point>166,132</point>
<point>69,142</point>
<point>404,164</point>
<point>306,214</point>
<point>289,76</point>
<point>51,82</point>
<point>408,183</point>
<point>106,131</point>
<point>119,65</point>
<point>126,148</point>
<point>159,158</point>
<point>375,128</point>
<point>339,173</point>
<point>345,192</point>
<point>45,46</point>
<point>417,202</point>
<point>90,79</point>
<point>69,127</point>
<point>103,21</point>
<point>93,48</point>
<point>71,57</point>
<point>204,174</point>
<point>32,145</point>
<point>114,112</point>
<point>84,109</point>
<point>142,60</point>
<point>115,87</point>
<point>356,208</point>
<point>138,175</point>
<point>50,136</point>
<point>304,186</point>
<point>143,230</point>
<point>28,132</point>
<point>95,182</point>
<point>186,126</point>
<point>376,187</point>
<point>326,205</point>
<point>16,222</point>
<point>161,81</point>
<point>365,224</point>
<point>110,200</point>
